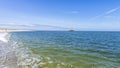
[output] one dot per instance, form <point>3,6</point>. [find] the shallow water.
<point>62,49</point>
<point>8,58</point>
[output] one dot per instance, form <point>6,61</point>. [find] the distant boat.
<point>71,30</point>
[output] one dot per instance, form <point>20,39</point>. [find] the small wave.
<point>3,37</point>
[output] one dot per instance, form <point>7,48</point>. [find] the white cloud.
<point>30,26</point>
<point>16,24</point>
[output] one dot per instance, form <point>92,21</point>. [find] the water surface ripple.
<point>62,49</point>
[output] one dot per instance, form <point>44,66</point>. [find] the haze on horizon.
<point>86,15</point>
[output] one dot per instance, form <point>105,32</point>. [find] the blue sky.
<point>87,15</point>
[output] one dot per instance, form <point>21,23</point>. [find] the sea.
<point>60,49</point>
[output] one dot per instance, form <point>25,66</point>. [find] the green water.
<point>45,49</point>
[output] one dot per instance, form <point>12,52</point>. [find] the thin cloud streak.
<point>106,13</point>
<point>74,12</point>
<point>112,10</point>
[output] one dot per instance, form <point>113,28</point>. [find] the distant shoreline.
<point>11,30</point>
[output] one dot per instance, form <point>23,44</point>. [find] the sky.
<point>84,15</point>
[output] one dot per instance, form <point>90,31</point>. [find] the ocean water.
<point>62,49</point>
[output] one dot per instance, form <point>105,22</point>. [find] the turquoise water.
<point>62,49</point>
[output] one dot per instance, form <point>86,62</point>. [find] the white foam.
<point>2,37</point>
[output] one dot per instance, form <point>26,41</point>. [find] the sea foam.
<point>2,37</point>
